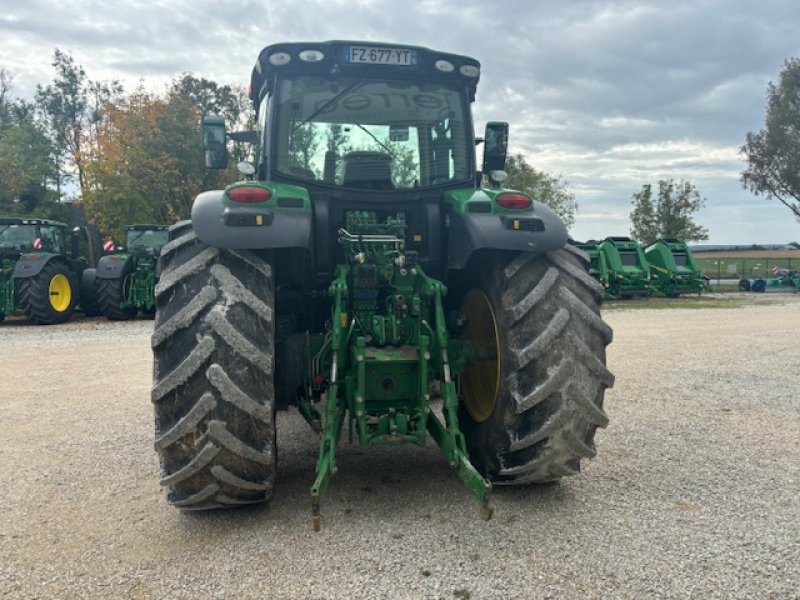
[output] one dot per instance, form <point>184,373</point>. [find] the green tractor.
<point>126,279</point>
<point>628,269</point>
<point>362,274</point>
<point>39,275</point>
<point>673,270</point>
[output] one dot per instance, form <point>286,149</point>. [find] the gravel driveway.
<point>695,491</point>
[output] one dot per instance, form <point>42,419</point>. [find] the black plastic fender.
<point>237,227</point>
<point>539,231</point>
<point>30,265</point>
<point>114,266</point>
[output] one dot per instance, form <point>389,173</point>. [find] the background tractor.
<point>125,280</point>
<point>361,273</point>
<point>40,275</point>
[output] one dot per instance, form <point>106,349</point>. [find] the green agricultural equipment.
<point>628,270</point>
<point>39,275</point>
<point>361,274</point>
<point>598,267</point>
<point>784,280</point>
<point>126,279</point>
<point>673,270</point>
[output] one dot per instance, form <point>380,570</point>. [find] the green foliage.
<point>773,154</point>
<point>229,102</point>
<point>25,166</point>
<point>303,144</point>
<point>70,110</point>
<point>147,164</point>
<point>542,187</point>
<point>25,159</point>
<point>669,215</point>
<point>6,78</point>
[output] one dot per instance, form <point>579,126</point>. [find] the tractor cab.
<point>31,235</point>
<point>145,240</point>
<point>345,127</point>
<point>344,116</point>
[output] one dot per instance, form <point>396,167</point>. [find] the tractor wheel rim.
<point>60,293</point>
<point>480,383</point>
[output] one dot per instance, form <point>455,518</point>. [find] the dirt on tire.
<point>213,366</point>
<point>552,369</point>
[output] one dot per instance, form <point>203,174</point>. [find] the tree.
<point>147,166</point>
<point>70,108</point>
<point>669,215</point>
<point>542,187</point>
<point>773,154</point>
<point>6,79</point>
<point>25,159</point>
<point>25,167</point>
<point>229,102</point>
<point>303,144</point>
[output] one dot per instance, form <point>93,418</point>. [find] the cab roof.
<point>336,57</point>
<point>22,221</point>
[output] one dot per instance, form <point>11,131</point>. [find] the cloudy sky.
<point>608,94</point>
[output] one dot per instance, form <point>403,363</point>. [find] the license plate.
<point>380,56</point>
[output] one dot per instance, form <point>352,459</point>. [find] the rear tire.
<point>213,394</point>
<point>547,371</point>
<point>48,298</point>
<point>111,293</point>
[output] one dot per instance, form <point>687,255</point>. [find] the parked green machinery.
<point>784,280</point>
<point>598,268</point>
<point>126,279</point>
<point>673,270</point>
<point>39,275</point>
<point>628,270</point>
<point>361,273</point>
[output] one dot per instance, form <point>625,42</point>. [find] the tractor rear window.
<point>377,135</point>
<point>680,260</point>
<point>145,241</point>
<point>25,238</point>
<point>629,259</point>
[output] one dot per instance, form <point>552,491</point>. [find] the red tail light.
<point>249,194</point>
<point>513,201</point>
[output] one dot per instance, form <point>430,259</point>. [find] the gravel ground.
<point>694,492</point>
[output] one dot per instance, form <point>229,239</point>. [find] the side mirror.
<point>398,133</point>
<point>215,151</point>
<point>495,146</point>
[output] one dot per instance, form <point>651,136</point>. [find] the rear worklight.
<point>513,201</point>
<point>249,194</point>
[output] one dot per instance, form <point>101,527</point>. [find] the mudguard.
<point>539,231</point>
<point>114,266</point>
<point>31,264</point>
<point>246,227</point>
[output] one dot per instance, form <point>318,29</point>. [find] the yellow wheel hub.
<point>481,382</point>
<point>60,293</point>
